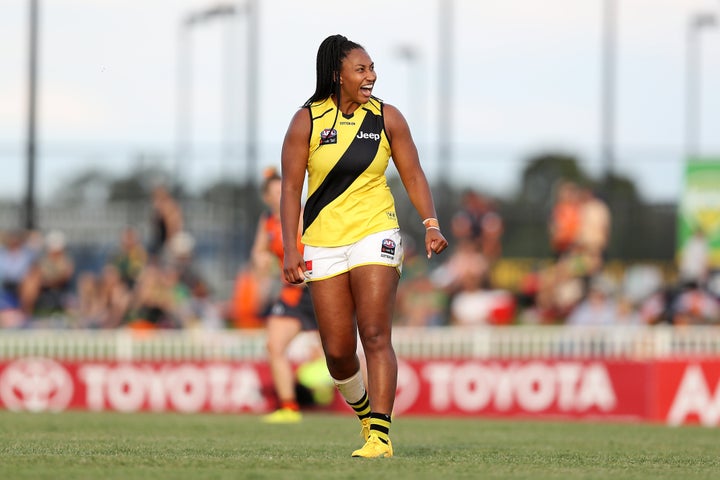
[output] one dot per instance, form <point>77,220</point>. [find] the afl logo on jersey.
<point>328,136</point>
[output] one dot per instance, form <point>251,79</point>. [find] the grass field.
<point>107,446</point>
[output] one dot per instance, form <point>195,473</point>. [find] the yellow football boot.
<point>374,448</point>
<point>283,415</point>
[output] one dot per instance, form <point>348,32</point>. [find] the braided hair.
<point>330,55</point>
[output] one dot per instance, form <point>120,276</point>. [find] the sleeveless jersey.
<point>348,197</point>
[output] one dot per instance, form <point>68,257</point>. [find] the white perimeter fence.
<point>410,343</point>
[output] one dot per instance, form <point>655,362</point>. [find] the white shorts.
<point>381,248</point>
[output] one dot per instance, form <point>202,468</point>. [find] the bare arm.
<point>260,255</point>
<point>294,165</point>
<point>407,161</point>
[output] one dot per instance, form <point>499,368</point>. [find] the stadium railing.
<point>419,343</point>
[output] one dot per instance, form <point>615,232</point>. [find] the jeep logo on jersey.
<point>388,246</point>
<point>371,136</point>
<point>328,136</point>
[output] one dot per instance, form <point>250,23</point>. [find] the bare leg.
<point>334,309</point>
<point>280,332</point>
<point>374,289</point>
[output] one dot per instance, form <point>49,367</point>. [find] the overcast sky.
<point>526,79</point>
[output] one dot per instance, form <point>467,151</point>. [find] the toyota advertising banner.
<point>546,388</point>
<point>42,384</point>
<point>673,392</point>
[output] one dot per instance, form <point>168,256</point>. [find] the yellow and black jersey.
<point>348,196</point>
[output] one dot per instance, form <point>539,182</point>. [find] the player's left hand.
<point>434,242</point>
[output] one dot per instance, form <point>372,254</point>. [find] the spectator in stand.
<point>694,261</point>
<point>474,304</point>
<point>155,303</point>
<point>479,223</point>
<point>560,288</point>
<point>565,219</point>
<point>102,302</point>
<point>464,279</point>
<point>18,253</point>
<point>419,302</point>
<point>166,222</point>
<point>131,256</point>
<point>47,285</point>
<point>593,232</point>
<point>465,262</point>
<point>599,308</point>
<point>192,288</point>
<point>694,305</point>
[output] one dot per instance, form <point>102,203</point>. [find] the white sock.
<point>353,388</point>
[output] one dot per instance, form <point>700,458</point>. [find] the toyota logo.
<point>35,385</point>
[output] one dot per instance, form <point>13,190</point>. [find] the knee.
<point>275,348</point>
<point>338,359</point>
<point>375,339</point>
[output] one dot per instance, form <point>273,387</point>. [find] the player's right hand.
<point>294,267</point>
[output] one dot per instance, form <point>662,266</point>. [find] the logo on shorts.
<point>328,136</point>
<point>387,248</point>
<point>308,266</point>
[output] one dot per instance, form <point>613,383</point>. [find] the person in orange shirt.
<point>565,219</point>
<point>293,311</point>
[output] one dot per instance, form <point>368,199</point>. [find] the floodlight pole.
<point>251,114</point>
<point>184,113</point>
<point>445,84</point>
<point>31,143</point>
<point>607,108</point>
<point>693,85</point>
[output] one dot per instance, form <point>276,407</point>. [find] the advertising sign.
<point>699,211</point>
<point>674,392</point>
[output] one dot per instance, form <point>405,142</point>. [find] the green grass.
<point>107,446</point>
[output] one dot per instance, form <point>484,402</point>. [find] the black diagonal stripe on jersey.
<point>356,159</point>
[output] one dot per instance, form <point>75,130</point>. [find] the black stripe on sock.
<point>381,416</point>
<point>359,402</point>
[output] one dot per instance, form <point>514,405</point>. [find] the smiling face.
<point>357,77</point>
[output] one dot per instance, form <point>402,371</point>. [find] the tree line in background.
<point>640,231</point>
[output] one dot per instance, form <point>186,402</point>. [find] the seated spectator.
<point>102,302</point>
<point>18,253</point>
<point>479,223</point>
<point>599,308</point>
<point>593,232</point>
<point>194,292</point>
<point>474,303</point>
<point>131,257</point>
<point>48,283</point>
<point>694,259</point>
<point>419,302</point>
<point>154,303</point>
<point>87,309</point>
<point>695,306</point>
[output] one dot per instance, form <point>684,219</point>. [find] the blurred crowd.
<point>574,287</point>
<point>155,283</point>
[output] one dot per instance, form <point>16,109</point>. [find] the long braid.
<point>331,53</point>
